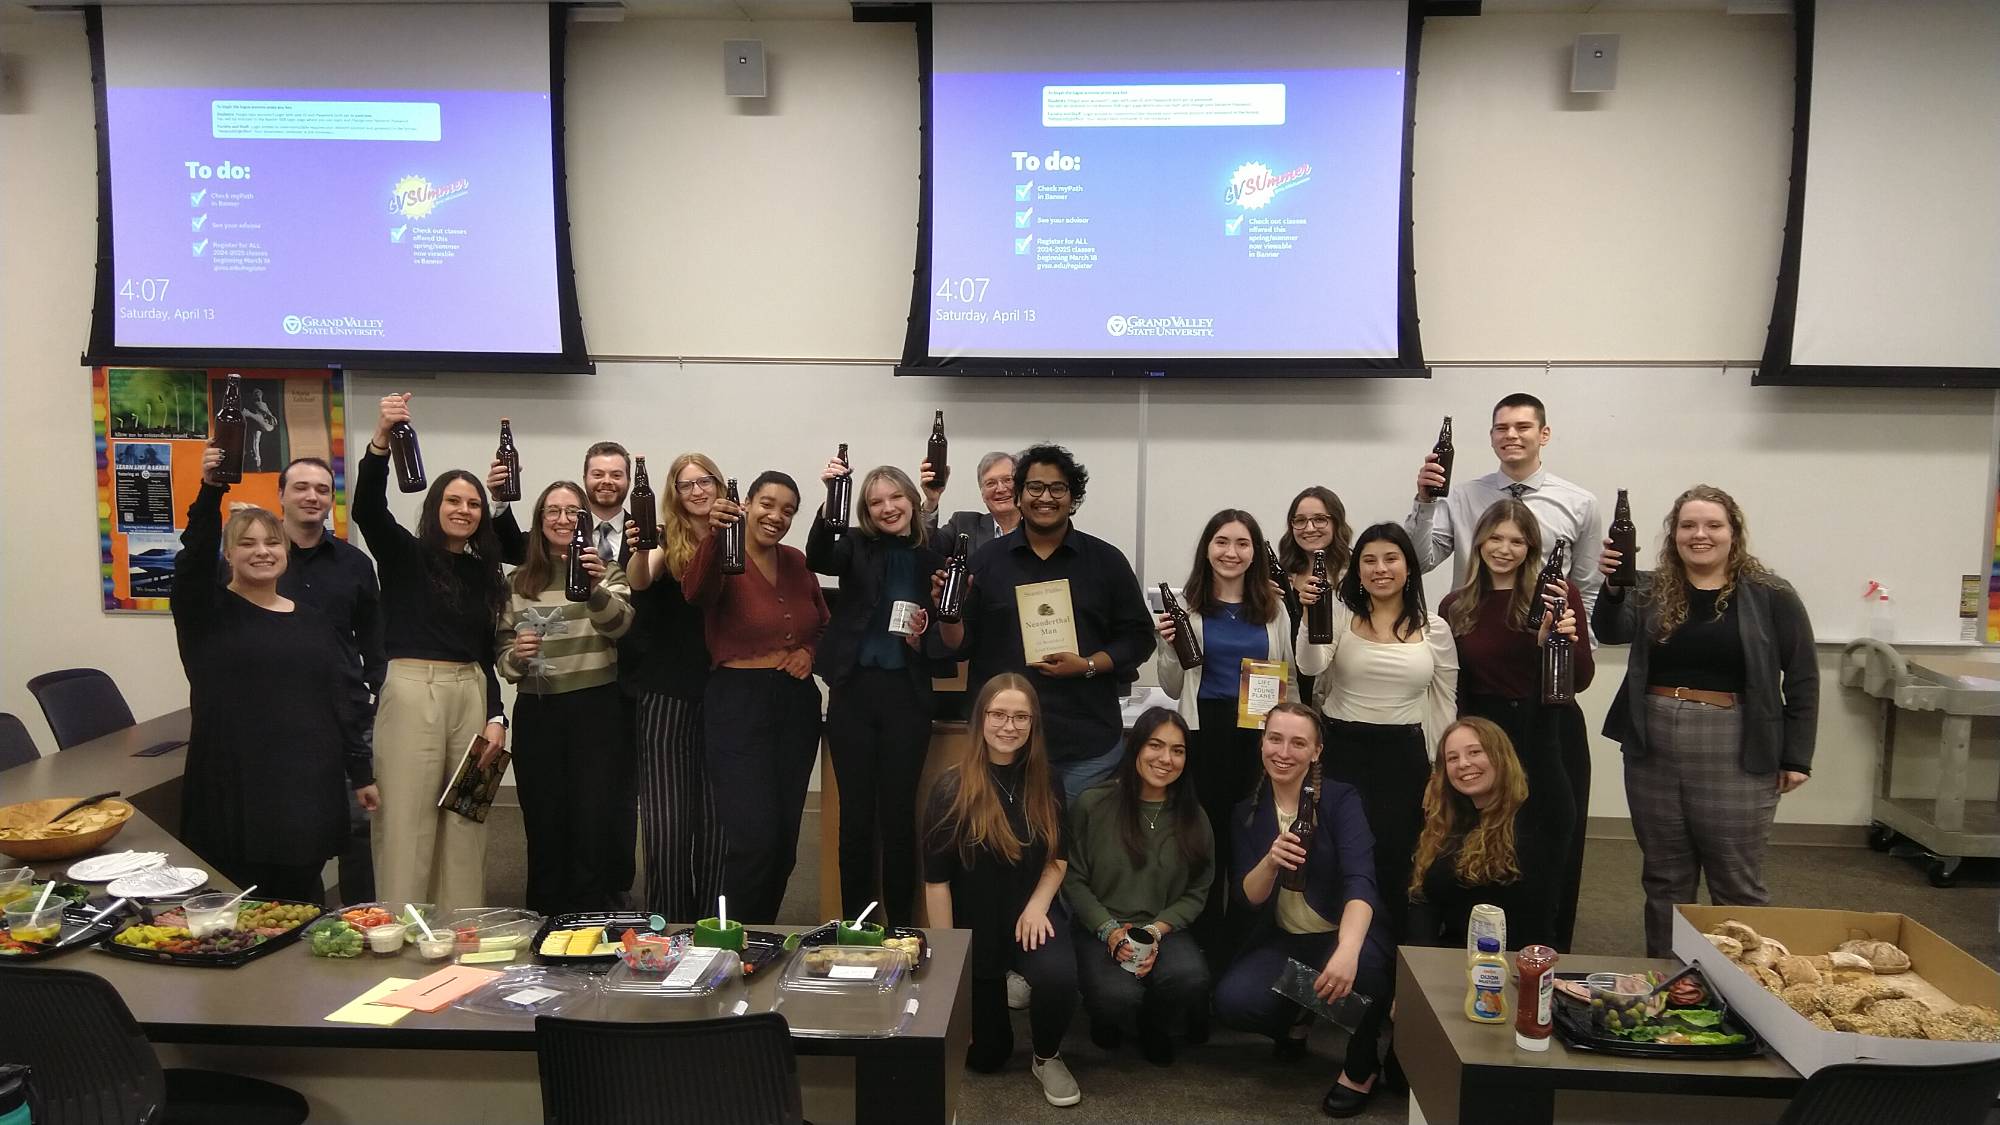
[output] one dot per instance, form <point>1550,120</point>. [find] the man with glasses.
<point>1442,529</point>
<point>1079,690</point>
<point>996,488</point>
<point>607,481</point>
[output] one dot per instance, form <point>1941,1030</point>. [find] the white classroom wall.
<point>769,245</point>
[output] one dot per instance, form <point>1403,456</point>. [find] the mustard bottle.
<point>1486,984</point>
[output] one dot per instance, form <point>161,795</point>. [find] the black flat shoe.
<point>1157,1047</point>
<point>1197,1030</point>
<point>1107,1036</point>
<point>1289,1049</point>
<point>1392,1075</point>
<point>1343,1102</point>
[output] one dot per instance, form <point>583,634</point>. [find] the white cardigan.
<point>1174,678</point>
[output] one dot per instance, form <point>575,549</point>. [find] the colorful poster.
<point>151,427</point>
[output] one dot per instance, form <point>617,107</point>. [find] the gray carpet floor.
<point>1233,1078</point>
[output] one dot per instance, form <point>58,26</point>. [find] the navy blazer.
<point>860,564</point>
<point>1340,861</point>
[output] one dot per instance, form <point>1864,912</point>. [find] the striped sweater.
<point>578,638</point>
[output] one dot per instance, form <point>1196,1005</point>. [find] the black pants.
<point>1558,736</point>
<point>574,768</point>
<point>762,732</point>
<point>1051,973</point>
<point>1223,764</point>
<point>878,731</point>
<point>1390,768</point>
<point>677,809</point>
<point>1244,1000</point>
<point>1174,991</point>
<point>302,882</point>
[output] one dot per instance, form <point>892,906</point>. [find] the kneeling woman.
<point>993,864</point>
<point>1494,832</point>
<point>573,755</point>
<point>1141,857</point>
<point>1331,923</point>
<point>277,734</point>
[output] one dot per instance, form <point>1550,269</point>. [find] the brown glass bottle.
<point>1558,661</point>
<point>732,535</point>
<point>957,577</point>
<point>1278,576</point>
<point>840,496</point>
<point>408,457</point>
<point>1444,452</point>
<point>509,489</point>
<point>1551,575</point>
<point>576,586</point>
<point>1304,823</point>
<point>937,452</point>
<point>645,508</point>
<point>229,432</point>
<point>1625,541</point>
<point>1187,650</point>
<point>1319,615</point>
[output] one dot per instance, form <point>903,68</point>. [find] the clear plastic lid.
<point>847,991</point>
<point>535,990</point>
<point>847,969</point>
<point>693,971</point>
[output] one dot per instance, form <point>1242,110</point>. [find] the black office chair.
<point>80,704</point>
<point>734,1069</point>
<point>93,1066</point>
<point>17,746</point>
<point>1896,1094</point>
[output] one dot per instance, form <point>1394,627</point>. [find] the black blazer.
<point>944,539</point>
<point>861,565</point>
<point>1780,697</point>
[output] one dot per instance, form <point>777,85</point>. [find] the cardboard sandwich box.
<point>1952,970</point>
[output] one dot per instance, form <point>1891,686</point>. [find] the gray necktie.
<point>604,550</point>
<point>1516,490</point>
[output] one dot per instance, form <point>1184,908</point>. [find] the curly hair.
<point>1484,838</point>
<point>1065,462</point>
<point>1669,589</point>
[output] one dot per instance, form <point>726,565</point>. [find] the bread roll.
<point>1883,956</point>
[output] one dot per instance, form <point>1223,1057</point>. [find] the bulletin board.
<point>151,425</point>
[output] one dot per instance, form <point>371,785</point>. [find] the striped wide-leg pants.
<point>683,833</point>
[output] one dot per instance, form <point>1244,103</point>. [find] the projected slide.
<point>1167,213</point>
<point>393,220</point>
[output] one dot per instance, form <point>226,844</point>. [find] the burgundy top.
<point>744,615</point>
<point>1494,659</point>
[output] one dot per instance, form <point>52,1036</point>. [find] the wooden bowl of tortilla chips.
<point>26,834</point>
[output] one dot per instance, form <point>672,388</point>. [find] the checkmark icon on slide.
<point>198,222</point>
<point>200,246</point>
<point>1233,226</point>
<point>1022,191</point>
<point>1021,244</point>
<point>195,197</point>
<point>396,233</point>
<point>1021,218</point>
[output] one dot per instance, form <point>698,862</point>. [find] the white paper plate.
<point>161,882</point>
<point>103,868</point>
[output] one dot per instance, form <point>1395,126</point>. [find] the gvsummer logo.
<point>1160,326</point>
<point>332,326</point>
<point>1253,185</point>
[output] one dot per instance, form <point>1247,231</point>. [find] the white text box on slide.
<point>324,121</point>
<point>1215,103</point>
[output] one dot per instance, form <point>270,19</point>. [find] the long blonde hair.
<point>1669,589</point>
<point>1485,837</point>
<point>913,532</point>
<point>1478,582</point>
<point>977,819</point>
<point>679,532</point>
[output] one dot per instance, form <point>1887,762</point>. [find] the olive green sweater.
<point>1103,884</point>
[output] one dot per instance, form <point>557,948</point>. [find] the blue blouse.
<point>1227,640</point>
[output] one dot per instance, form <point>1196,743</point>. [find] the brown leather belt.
<point>1723,699</point>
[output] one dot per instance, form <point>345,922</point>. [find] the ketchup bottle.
<point>1534,997</point>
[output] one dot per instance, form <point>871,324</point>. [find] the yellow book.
<point>1260,687</point>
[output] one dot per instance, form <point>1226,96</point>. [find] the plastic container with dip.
<point>16,883</point>
<point>25,923</point>
<point>385,939</point>
<point>436,947</point>
<point>211,913</point>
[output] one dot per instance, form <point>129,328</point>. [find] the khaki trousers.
<point>427,715</point>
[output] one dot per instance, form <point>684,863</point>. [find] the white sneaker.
<point>1058,1084</point>
<point>1017,990</point>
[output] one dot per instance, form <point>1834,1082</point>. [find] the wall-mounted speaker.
<point>743,68</point>
<point>1594,66</point>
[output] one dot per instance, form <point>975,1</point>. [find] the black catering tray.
<point>235,958</point>
<point>1572,1024</point>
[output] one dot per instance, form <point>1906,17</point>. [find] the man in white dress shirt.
<point>1441,529</point>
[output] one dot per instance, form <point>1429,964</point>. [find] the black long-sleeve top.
<point>422,620</point>
<point>278,714</point>
<point>337,579</point>
<point>1111,617</point>
<point>1542,827</point>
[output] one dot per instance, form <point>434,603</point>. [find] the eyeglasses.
<point>997,484</point>
<point>1010,718</point>
<point>1305,523</point>
<point>557,515</point>
<point>698,484</point>
<point>1055,490</point>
